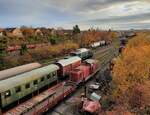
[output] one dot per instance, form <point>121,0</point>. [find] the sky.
<point>104,14</point>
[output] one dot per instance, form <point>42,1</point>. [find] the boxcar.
<point>66,65</point>
<point>18,70</point>
<point>17,87</point>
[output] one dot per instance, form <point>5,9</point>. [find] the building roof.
<point>69,60</point>
<point>26,77</point>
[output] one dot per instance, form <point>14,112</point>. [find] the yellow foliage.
<point>141,39</point>
<point>62,48</point>
<point>133,66</point>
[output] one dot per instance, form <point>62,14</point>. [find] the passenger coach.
<point>20,86</point>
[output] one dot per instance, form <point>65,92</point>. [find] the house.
<point>38,32</point>
<point>17,32</point>
<point>2,32</point>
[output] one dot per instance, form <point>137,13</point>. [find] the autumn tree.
<point>23,49</point>
<point>131,72</point>
<point>3,45</point>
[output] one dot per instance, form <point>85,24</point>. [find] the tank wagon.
<point>83,53</point>
<point>99,44</point>
<point>66,65</point>
<point>18,70</point>
<point>17,87</point>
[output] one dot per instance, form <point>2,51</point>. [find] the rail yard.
<point>52,82</point>
<point>75,57</point>
<point>68,106</point>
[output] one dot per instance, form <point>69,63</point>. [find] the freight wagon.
<point>99,44</point>
<point>43,102</point>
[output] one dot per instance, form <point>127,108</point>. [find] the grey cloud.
<point>121,19</point>
<point>69,11</point>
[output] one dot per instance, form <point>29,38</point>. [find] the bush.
<point>54,39</point>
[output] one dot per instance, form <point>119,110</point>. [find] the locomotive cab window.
<point>35,82</point>
<point>18,89</point>
<point>27,85</point>
<point>54,73</point>
<point>7,94</point>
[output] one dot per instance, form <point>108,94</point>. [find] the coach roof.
<point>27,77</point>
<point>68,61</point>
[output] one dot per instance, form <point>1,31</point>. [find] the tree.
<point>131,73</point>
<point>23,49</point>
<point>76,29</point>
<point>3,45</point>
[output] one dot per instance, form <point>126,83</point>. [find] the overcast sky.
<point>105,14</point>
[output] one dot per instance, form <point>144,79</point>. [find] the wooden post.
<point>84,88</point>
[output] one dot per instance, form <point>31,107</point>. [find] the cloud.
<point>103,13</point>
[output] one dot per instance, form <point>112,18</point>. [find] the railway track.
<point>95,52</point>
<point>67,107</point>
<point>100,55</point>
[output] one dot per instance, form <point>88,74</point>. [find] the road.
<point>68,106</point>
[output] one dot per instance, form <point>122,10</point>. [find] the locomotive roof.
<point>70,60</point>
<point>26,77</point>
<point>18,70</point>
<point>81,50</point>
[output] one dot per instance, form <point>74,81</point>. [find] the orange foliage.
<point>131,68</point>
<point>27,32</point>
<point>118,110</point>
<point>140,96</point>
<point>93,36</point>
<point>141,39</point>
<point>59,49</point>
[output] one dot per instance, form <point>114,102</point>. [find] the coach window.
<point>35,82</point>
<point>48,76</point>
<point>18,89</point>
<point>7,94</point>
<point>42,79</point>
<point>27,85</point>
